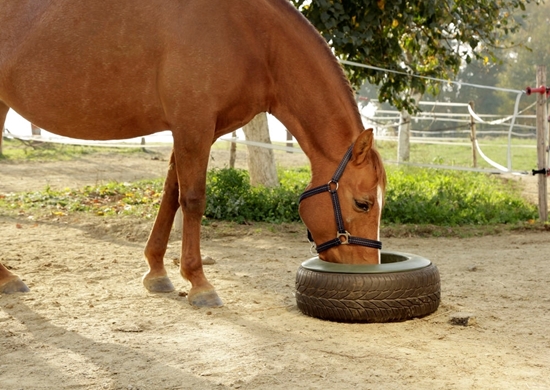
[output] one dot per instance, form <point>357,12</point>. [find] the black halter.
<point>342,236</point>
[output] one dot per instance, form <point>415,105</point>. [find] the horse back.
<point>116,69</point>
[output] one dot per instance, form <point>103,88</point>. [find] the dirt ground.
<point>89,324</point>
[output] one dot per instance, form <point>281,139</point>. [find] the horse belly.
<point>90,109</point>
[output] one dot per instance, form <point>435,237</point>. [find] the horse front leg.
<point>185,186</point>
<point>156,279</point>
<point>191,157</point>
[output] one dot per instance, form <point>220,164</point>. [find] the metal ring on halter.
<point>346,236</point>
<point>332,181</point>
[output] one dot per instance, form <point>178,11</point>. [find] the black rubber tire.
<point>368,297</point>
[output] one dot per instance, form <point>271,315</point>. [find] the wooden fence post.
<point>542,121</point>
<point>289,138</point>
<point>404,137</point>
<point>473,136</point>
<point>35,130</point>
<point>178,221</point>
<point>232,151</point>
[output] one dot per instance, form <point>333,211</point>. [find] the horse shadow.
<point>107,364</point>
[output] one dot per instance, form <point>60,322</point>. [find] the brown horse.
<point>118,69</point>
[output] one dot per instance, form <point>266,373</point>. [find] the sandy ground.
<point>89,324</point>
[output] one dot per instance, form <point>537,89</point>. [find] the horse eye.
<point>363,206</point>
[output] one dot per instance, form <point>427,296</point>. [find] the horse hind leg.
<point>156,279</point>
<point>10,283</point>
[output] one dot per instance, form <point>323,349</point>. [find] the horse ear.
<point>362,146</point>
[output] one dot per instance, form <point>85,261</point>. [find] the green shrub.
<point>229,196</point>
<point>414,196</point>
<point>451,198</point>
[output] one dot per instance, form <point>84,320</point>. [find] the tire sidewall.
<point>407,290</point>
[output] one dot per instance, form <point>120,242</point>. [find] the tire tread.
<point>368,297</point>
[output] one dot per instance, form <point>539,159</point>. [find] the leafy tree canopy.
<point>430,38</point>
<point>519,70</point>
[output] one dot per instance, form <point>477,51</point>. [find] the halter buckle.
<point>332,181</point>
<point>313,249</point>
<point>343,237</point>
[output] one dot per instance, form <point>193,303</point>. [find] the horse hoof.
<point>205,299</point>
<point>14,286</point>
<point>160,284</point>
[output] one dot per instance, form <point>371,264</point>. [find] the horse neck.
<point>312,98</point>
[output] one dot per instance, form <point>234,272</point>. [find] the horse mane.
<point>330,58</point>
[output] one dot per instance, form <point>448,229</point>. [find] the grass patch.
<point>140,198</point>
<point>418,201</point>
<point>523,153</point>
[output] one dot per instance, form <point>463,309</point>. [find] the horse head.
<point>343,220</point>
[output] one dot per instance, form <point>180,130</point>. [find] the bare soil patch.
<point>89,324</point>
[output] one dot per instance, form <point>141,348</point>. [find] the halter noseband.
<point>342,236</point>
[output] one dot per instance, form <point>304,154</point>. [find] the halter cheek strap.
<point>342,235</point>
